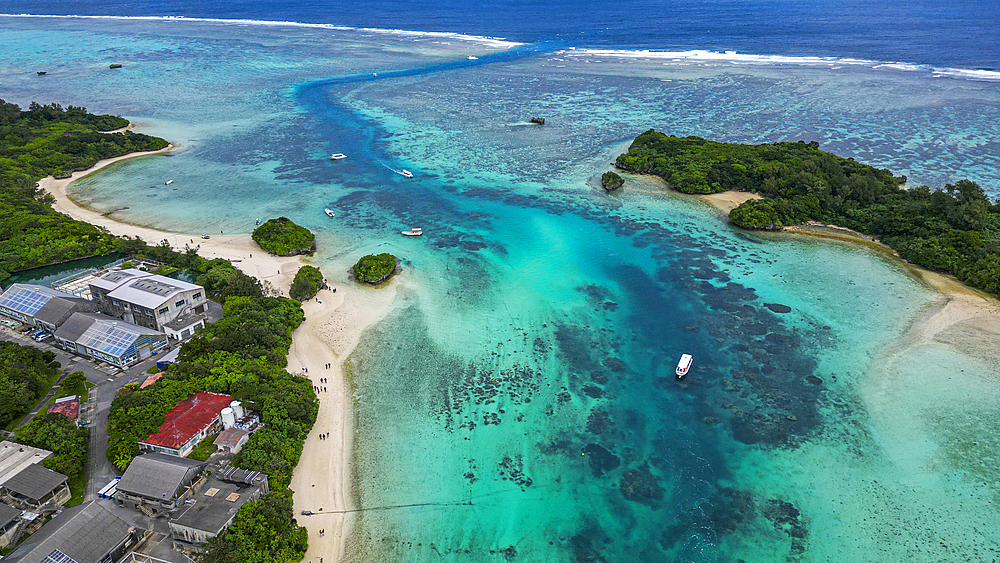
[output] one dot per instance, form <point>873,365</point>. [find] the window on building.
<point>163,311</point>
<point>179,303</point>
<point>196,296</point>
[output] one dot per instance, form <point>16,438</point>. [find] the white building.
<point>174,307</point>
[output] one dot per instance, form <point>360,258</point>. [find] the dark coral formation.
<point>640,485</point>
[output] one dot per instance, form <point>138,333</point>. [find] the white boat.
<point>328,213</point>
<point>405,173</point>
<point>168,182</point>
<point>413,232</point>
<point>473,58</point>
<point>684,365</point>
<point>338,156</point>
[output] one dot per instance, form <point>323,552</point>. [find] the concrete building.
<point>83,534</point>
<point>15,457</point>
<point>158,484</point>
<point>212,510</point>
<point>36,488</point>
<point>41,306</point>
<point>163,304</point>
<point>191,421</point>
<point>110,340</point>
<point>231,440</point>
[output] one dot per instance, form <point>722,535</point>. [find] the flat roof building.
<point>14,457</point>
<point>152,301</point>
<point>41,306</point>
<point>36,487</point>
<point>110,340</point>
<point>82,534</point>
<point>215,506</point>
<point>158,484</point>
<point>191,421</point>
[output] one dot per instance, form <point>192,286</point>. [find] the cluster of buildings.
<point>196,500</point>
<point>131,314</point>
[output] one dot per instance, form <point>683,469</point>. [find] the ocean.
<point>519,403</point>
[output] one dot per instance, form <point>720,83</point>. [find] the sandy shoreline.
<point>332,329</point>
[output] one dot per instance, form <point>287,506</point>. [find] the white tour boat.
<point>338,156</point>
<point>473,58</point>
<point>168,182</point>
<point>413,232</point>
<point>328,213</point>
<point>405,173</point>
<point>684,365</point>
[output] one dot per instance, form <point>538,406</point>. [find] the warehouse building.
<point>157,302</point>
<point>100,337</point>
<point>41,306</point>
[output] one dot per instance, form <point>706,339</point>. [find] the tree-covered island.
<point>375,268</point>
<point>611,181</point>
<point>283,237</point>
<point>955,230</point>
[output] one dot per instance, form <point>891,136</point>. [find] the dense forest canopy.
<point>26,373</point>
<point>308,281</point>
<point>49,140</point>
<point>955,230</point>
<point>374,268</point>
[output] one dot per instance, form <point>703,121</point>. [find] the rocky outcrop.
<point>538,120</point>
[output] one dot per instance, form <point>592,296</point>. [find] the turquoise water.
<point>521,403</point>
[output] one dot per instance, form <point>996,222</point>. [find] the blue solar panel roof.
<point>25,300</point>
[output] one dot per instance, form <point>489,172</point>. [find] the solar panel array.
<point>25,301</point>
<point>58,557</point>
<point>108,338</point>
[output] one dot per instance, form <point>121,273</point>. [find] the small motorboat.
<point>168,182</point>
<point>257,222</point>
<point>374,74</point>
<point>338,156</point>
<point>684,365</point>
<point>473,58</point>
<point>413,232</point>
<point>405,173</point>
<point>329,213</point>
<point>115,65</point>
<point>41,72</point>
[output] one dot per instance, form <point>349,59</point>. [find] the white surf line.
<point>496,42</point>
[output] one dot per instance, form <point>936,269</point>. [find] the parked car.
<point>44,337</point>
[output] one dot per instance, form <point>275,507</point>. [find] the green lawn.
<point>204,449</point>
<point>77,486</point>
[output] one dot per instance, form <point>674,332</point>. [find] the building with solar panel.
<point>174,307</point>
<point>41,306</point>
<point>109,340</point>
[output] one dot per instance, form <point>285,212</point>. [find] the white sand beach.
<point>333,327</point>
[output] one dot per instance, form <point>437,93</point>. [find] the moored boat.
<point>684,365</point>
<point>473,58</point>
<point>168,182</point>
<point>405,173</point>
<point>328,213</point>
<point>338,156</point>
<point>41,72</point>
<point>413,232</point>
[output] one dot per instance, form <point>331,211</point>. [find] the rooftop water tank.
<point>237,409</point>
<point>228,418</point>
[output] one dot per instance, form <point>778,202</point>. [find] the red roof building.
<point>152,379</point>
<point>69,406</point>
<point>188,423</point>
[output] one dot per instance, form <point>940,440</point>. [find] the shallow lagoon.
<point>528,371</point>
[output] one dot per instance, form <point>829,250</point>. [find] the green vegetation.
<point>611,181</point>
<point>308,280</point>
<point>283,237</point>
<point>60,435</point>
<point>243,355</point>
<point>26,375</point>
<point>50,140</point>
<point>955,230</point>
<point>74,384</point>
<point>375,268</point>
<point>204,449</point>
<point>264,531</point>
